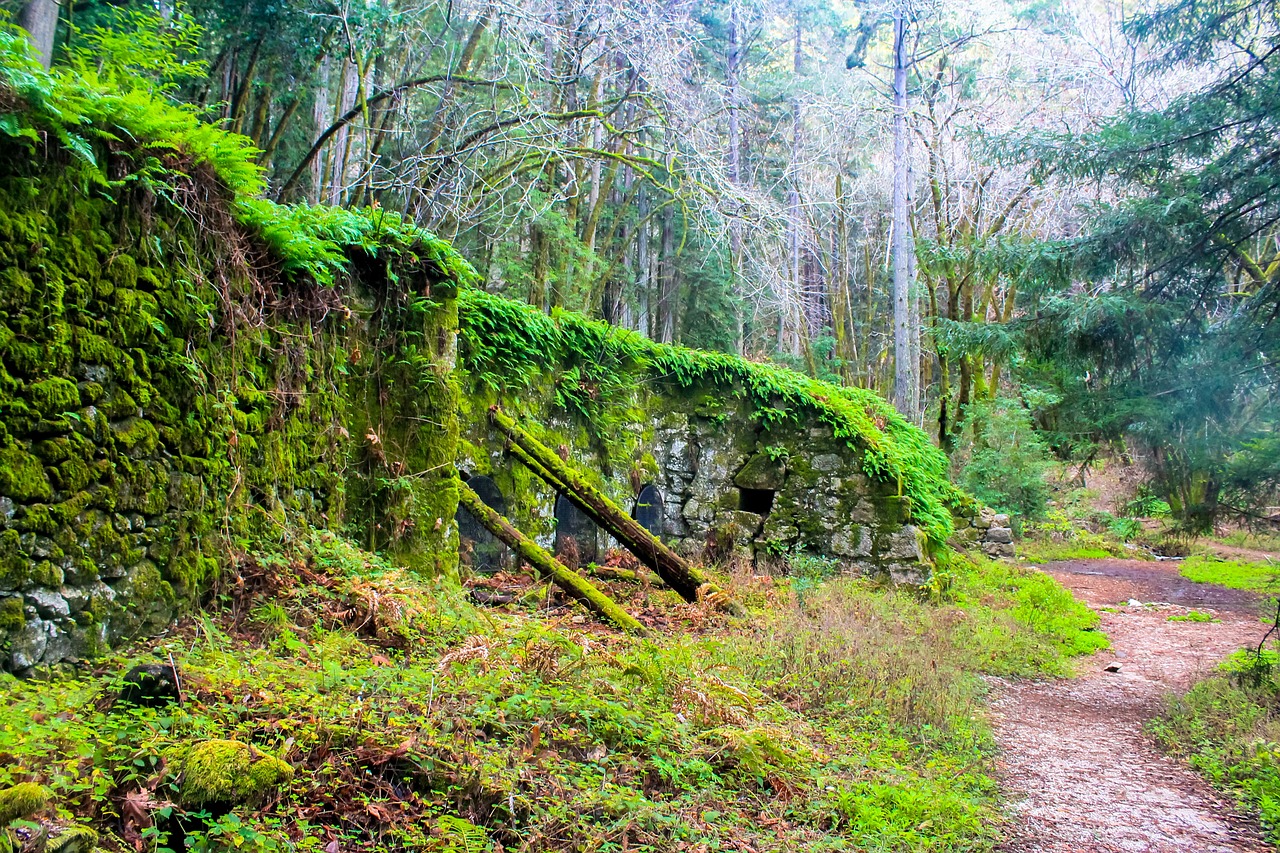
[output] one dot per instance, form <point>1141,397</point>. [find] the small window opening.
<point>759,501</point>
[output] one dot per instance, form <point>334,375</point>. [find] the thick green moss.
<point>22,801</point>
<point>22,477</point>
<point>229,773</point>
<point>72,839</point>
<point>144,428</point>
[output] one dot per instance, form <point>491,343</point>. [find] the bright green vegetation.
<point>507,344</point>
<point>1083,546</point>
<point>1227,728</point>
<point>409,718</point>
<point>1236,574</point>
<point>1005,463</point>
<point>152,314</point>
<point>1193,616</point>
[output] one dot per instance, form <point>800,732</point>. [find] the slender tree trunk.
<point>733,68</point>
<point>906,388</point>
<point>40,19</point>
<point>666,317</point>
<point>794,248</point>
<point>644,277</point>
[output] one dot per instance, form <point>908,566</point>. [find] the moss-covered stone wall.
<point>168,393</point>
<point>842,477</point>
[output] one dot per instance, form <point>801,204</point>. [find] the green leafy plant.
<point>1006,465</point>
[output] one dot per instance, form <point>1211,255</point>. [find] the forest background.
<point>1044,227</point>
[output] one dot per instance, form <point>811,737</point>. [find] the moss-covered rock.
<point>71,839</point>
<point>22,477</point>
<point>22,801</point>
<point>228,773</point>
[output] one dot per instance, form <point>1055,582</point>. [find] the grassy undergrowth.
<point>850,719</point>
<point>1227,727</point>
<point>1258,576</point>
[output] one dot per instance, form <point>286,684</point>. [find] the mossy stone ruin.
<point>186,369</point>
<point>751,464</point>
<point>168,392</point>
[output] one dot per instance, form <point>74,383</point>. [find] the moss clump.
<point>22,476</point>
<point>72,839</point>
<point>51,397</point>
<point>22,801</point>
<point>229,773</point>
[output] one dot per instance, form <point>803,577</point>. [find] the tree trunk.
<point>666,313</point>
<point>576,586</point>
<point>670,566</point>
<point>733,66</point>
<point>40,19</point>
<point>906,387</point>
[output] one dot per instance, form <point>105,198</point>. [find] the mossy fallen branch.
<point>576,586</point>
<point>649,549</point>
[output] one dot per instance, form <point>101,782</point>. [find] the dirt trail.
<point>1081,775</point>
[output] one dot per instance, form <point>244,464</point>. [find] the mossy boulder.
<point>226,773</point>
<point>22,801</point>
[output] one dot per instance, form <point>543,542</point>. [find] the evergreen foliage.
<point>1174,342</point>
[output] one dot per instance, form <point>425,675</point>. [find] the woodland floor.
<point>1079,771</point>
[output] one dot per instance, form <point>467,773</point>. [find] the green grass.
<point>1048,552</point>
<point>850,720</point>
<point>1227,728</point>
<point>1193,616</point>
<point>1236,574</point>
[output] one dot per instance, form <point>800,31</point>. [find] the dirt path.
<point>1080,774</point>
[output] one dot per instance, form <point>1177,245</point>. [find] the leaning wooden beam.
<point>577,587</point>
<point>670,566</point>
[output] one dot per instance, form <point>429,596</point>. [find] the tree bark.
<point>576,586</point>
<point>40,19</point>
<point>906,385</point>
<point>733,68</point>
<point>670,566</point>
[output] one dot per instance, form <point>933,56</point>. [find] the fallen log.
<point>674,570</point>
<point>576,586</point>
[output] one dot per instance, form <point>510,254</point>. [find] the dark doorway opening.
<point>485,554</point>
<point>577,536</point>
<point>648,510</point>
<point>759,501</point>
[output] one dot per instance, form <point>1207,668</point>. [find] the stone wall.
<point>163,401</point>
<point>986,529</point>
<point>731,488</point>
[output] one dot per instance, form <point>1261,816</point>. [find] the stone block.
<point>49,604</point>
<point>999,535</point>
<point>762,472</point>
<point>998,550</point>
<point>908,574</point>
<point>827,463</point>
<point>1000,520</point>
<point>851,541</point>
<point>907,544</point>
<point>28,646</point>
